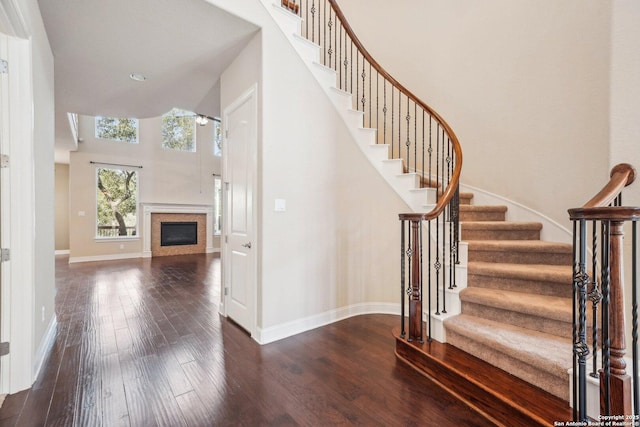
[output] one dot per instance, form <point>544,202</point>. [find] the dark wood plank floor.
<point>141,343</point>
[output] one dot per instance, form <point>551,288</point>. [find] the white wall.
<point>167,176</point>
<point>524,84</point>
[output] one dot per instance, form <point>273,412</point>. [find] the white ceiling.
<point>182,47</point>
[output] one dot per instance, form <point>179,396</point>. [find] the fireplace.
<point>156,214</point>
<point>178,233</point>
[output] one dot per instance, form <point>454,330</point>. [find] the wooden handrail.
<point>622,175</point>
<point>604,285</point>
<point>451,188</point>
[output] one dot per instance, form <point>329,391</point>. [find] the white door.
<point>240,145</point>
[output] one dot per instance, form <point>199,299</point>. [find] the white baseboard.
<point>44,347</point>
<point>104,257</point>
<point>213,250</point>
<point>284,330</point>
<point>62,252</point>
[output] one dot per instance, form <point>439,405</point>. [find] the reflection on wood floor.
<point>141,343</point>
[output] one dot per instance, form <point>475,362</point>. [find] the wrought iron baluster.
<point>415,138</point>
<point>421,288</point>
<point>370,96</point>
<point>393,156</point>
<point>402,277</point>
<point>408,142</point>
<point>357,83</point>
<point>384,116</point>
<point>574,316</point>
<point>422,165</point>
<point>330,48</point>
<point>313,21</point>
<point>606,341</point>
<point>364,77</point>
<point>595,296</point>
<point>635,259</point>
<point>429,277</point>
<point>324,33</point>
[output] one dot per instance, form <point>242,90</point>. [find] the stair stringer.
<point>406,185</point>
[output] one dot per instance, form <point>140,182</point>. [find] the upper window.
<point>124,130</point>
<point>179,130</point>
<point>117,200</point>
<point>217,137</point>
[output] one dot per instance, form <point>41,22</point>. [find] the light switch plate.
<point>280,205</point>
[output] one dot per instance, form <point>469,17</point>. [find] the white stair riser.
<point>288,22</point>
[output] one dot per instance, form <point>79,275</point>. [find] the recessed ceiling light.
<point>137,77</point>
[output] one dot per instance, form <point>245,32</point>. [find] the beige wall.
<point>62,206</point>
<point>524,84</point>
<point>335,244</point>
<point>167,176</point>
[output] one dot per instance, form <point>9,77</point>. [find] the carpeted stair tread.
<point>482,213</point>
<point>542,306</point>
<point>542,351</point>
<point>500,230</point>
<point>465,198</point>
<point>520,251</point>
<point>562,274</point>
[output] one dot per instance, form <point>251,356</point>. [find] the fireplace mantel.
<point>151,208</point>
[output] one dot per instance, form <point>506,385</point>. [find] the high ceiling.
<point>181,47</point>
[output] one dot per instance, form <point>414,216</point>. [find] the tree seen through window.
<point>115,129</point>
<point>179,130</point>
<point>117,199</point>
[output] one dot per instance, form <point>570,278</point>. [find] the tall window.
<point>179,130</point>
<point>124,130</point>
<point>217,137</point>
<point>117,201</point>
<point>217,206</point>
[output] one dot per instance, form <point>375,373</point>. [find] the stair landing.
<point>497,396</point>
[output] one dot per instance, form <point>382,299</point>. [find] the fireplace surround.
<point>154,213</point>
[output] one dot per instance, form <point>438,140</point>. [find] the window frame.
<point>217,205</point>
<point>98,137</point>
<point>194,125</point>
<point>217,148</point>
<point>99,238</point>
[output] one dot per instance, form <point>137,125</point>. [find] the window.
<point>123,130</point>
<point>117,201</point>
<point>217,206</point>
<point>179,130</point>
<point>217,137</point>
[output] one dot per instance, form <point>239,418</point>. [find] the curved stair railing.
<point>416,135</point>
<point>599,310</point>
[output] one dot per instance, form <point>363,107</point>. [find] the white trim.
<point>62,252</point>
<point>284,330</point>
<point>45,345</point>
<point>112,257</point>
<point>551,230</point>
<point>149,208</point>
<point>213,251</point>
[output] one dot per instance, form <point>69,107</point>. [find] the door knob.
<point>247,245</point>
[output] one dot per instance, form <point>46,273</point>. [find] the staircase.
<point>517,306</point>
<point>515,295</point>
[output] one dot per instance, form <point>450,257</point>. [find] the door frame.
<point>251,95</point>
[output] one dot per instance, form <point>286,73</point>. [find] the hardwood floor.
<point>141,343</point>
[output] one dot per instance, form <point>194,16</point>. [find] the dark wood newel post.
<point>620,382</point>
<point>415,297</point>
